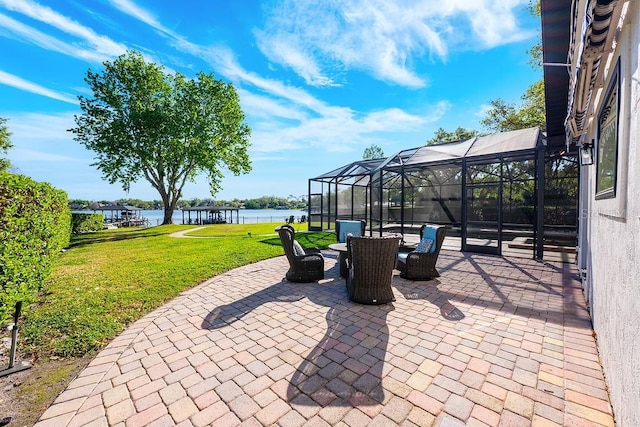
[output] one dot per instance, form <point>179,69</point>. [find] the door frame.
<point>470,247</point>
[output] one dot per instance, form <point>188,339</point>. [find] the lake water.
<point>246,216</point>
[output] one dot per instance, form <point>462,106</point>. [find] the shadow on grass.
<point>320,240</point>
<point>80,240</point>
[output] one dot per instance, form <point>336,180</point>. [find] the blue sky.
<point>319,81</point>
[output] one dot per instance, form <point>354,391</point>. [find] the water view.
<point>246,216</point>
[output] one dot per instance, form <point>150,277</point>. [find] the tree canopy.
<point>5,144</point>
<point>442,135</point>
<point>502,116</point>
<point>144,123</point>
<point>373,152</point>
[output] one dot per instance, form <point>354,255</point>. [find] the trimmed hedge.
<point>86,222</point>
<point>35,225</point>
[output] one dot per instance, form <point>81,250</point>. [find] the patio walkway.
<point>494,341</point>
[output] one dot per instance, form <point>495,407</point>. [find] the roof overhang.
<point>577,37</point>
<point>556,25</point>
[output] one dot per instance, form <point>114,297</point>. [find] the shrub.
<point>35,225</point>
<point>85,222</point>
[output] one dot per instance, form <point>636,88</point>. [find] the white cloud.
<point>381,37</point>
<point>18,31</point>
<point>492,22</point>
<point>22,84</point>
<point>43,148</point>
<point>342,129</point>
<point>260,106</point>
<point>283,51</point>
<point>130,8</point>
<point>290,118</point>
<point>482,111</point>
<point>102,45</point>
<point>34,127</point>
<point>20,155</point>
<point>225,63</point>
<point>262,158</point>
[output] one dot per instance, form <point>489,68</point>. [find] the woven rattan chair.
<point>371,262</point>
<point>422,265</point>
<point>304,267</point>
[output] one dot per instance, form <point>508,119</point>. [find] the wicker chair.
<point>302,268</point>
<point>422,265</point>
<point>371,262</point>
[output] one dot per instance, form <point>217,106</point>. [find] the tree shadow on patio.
<point>345,367</point>
<point>421,290</point>
<point>227,314</point>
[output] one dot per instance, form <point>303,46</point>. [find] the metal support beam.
<point>539,228</point>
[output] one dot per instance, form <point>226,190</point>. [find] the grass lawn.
<point>107,280</point>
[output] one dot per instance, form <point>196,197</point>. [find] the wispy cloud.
<point>11,28</point>
<point>22,84</point>
<point>21,155</point>
<point>282,50</point>
<point>32,127</point>
<point>381,37</point>
<point>43,138</point>
<point>88,39</point>
<point>342,130</point>
<point>130,8</point>
<point>493,23</point>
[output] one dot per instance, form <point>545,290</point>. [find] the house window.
<point>607,150</point>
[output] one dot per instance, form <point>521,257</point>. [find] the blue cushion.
<point>402,256</point>
<point>297,249</point>
<point>349,227</point>
<point>424,246</point>
<point>429,233</point>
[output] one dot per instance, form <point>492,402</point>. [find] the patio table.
<point>341,248</point>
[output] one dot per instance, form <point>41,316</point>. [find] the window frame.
<point>607,161</point>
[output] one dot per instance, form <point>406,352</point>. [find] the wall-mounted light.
<point>586,153</point>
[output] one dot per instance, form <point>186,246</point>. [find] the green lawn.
<point>105,281</point>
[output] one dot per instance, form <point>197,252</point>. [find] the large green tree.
<point>165,128</point>
<point>5,144</point>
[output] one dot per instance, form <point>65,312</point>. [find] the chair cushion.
<point>297,249</point>
<point>402,257</point>
<point>424,246</point>
<point>349,227</point>
<point>429,233</point>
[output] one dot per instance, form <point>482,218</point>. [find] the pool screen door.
<point>483,199</point>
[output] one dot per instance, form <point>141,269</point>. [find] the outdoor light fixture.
<point>586,153</point>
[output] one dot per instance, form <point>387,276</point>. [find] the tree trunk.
<point>168,214</point>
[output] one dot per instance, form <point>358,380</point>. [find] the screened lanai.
<point>499,194</point>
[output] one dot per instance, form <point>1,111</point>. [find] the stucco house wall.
<point>610,232</point>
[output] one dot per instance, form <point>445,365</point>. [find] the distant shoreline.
<point>245,216</point>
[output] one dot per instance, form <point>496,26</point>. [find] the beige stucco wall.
<point>612,245</point>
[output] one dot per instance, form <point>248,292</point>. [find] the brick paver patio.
<point>494,341</point>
